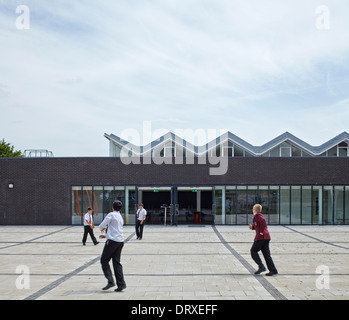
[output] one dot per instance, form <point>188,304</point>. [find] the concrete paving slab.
<point>180,263</point>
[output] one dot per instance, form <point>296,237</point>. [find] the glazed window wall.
<point>346,205</point>
<point>306,205</point>
<point>274,213</point>
<point>230,205</point>
<point>295,205</point>
<point>100,199</point>
<point>77,209</point>
<point>285,205</point>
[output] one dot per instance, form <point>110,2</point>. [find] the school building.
<point>183,183</point>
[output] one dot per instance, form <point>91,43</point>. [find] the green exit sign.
<point>156,190</point>
<point>194,190</point>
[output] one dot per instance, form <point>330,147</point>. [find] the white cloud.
<point>85,68</point>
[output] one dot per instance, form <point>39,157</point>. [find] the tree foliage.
<point>7,151</point>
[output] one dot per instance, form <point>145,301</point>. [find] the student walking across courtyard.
<point>261,242</point>
<point>140,220</point>
<point>88,227</point>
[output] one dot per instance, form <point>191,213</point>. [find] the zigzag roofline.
<point>254,150</point>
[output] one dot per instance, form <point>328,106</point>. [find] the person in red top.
<point>261,242</point>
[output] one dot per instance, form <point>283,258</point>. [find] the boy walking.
<point>261,242</point>
<point>140,220</point>
<point>88,227</point>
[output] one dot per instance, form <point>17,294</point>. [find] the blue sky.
<point>257,68</point>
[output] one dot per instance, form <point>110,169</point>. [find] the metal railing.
<point>38,153</point>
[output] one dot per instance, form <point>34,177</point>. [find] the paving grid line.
<point>317,239</point>
<point>261,279</point>
<point>168,254</point>
<point>124,254</point>
<point>36,238</point>
<point>173,274</point>
<point>173,242</point>
<point>59,281</point>
<point>151,242</point>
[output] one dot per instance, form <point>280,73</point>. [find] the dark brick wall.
<point>42,187</point>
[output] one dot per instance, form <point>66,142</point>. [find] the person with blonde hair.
<point>261,242</point>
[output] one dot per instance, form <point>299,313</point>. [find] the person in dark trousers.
<point>140,219</point>
<point>88,227</point>
<point>113,225</point>
<point>261,242</point>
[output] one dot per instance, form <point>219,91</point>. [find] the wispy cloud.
<point>87,67</point>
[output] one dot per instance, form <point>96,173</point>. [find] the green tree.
<point>7,151</point>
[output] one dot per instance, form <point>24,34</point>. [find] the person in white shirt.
<point>88,227</point>
<point>140,218</point>
<point>113,225</point>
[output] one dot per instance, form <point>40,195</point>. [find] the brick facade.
<point>42,187</point>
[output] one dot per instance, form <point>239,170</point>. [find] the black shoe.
<point>119,289</point>
<point>260,270</point>
<point>271,273</point>
<point>84,244</point>
<point>96,243</point>
<point>139,238</point>
<point>109,285</point>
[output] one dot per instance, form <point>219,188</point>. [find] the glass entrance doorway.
<point>154,200</point>
<point>195,205</point>
<point>185,205</point>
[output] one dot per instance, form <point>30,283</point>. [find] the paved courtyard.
<point>181,263</point>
